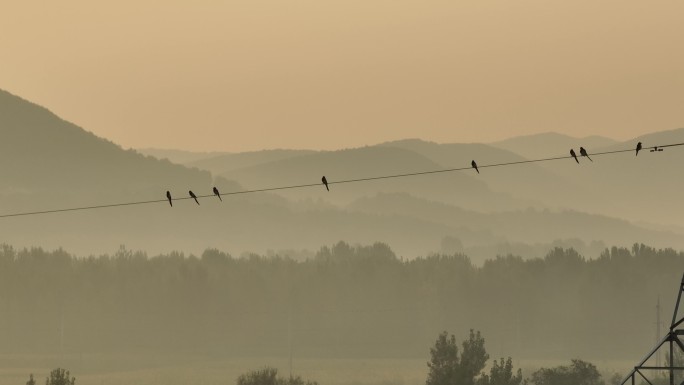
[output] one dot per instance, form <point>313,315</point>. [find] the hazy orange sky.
<point>252,74</point>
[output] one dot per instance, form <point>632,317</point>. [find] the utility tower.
<point>672,343</point>
<point>659,323</point>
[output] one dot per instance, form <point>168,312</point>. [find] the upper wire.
<point>392,176</point>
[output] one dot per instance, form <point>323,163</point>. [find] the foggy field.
<point>145,369</point>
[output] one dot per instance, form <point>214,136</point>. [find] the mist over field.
<point>345,303</point>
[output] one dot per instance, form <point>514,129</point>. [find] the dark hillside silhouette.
<point>44,156</point>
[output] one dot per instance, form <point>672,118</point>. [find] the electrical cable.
<point>504,164</point>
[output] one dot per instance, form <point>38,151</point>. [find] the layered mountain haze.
<point>641,188</point>
<point>547,144</point>
<point>474,230</point>
<point>226,163</point>
<point>179,156</point>
<point>530,184</point>
<point>48,163</point>
<point>367,162</point>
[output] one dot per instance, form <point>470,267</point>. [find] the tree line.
<point>345,301</point>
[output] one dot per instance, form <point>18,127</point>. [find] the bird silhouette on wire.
<point>583,152</point>
<point>192,194</point>
<point>638,148</point>
<point>572,152</point>
<point>474,165</point>
<point>325,182</point>
<point>168,196</point>
<point>216,192</point>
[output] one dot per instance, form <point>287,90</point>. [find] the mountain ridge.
<point>47,163</point>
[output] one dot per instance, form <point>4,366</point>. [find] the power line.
<point>504,164</point>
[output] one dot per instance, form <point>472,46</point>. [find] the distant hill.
<point>221,162</point>
<point>476,230</point>
<point>550,144</point>
<point>48,163</point>
<point>494,189</point>
<point>46,160</point>
<point>460,188</point>
<point>178,156</point>
<point>644,188</point>
<point>224,163</point>
<point>530,183</point>
<point>455,154</point>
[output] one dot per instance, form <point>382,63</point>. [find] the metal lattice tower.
<point>674,348</point>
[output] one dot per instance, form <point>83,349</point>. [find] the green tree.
<point>578,373</point>
<point>269,376</point>
<point>31,381</point>
<point>265,376</point>
<point>501,373</point>
<point>448,368</point>
<point>60,377</point>
<point>296,381</point>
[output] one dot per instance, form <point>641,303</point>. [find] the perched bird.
<point>325,182</point>
<point>583,152</point>
<point>474,166</point>
<point>216,192</point>
<point>192,194</point>
<point>572,152</point>
<point>638,148</point>
<point>168,196</point>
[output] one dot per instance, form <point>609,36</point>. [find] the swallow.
<point>638,148</point>
<point>583,152</point>
<point>168,196</point>
<point>572,152</point>
<point>474,166</point>
<point>325,182</point>
<point>216,192</point>
<point>192,194</point>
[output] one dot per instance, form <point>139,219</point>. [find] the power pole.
<point>671,343</point>
<point>657,337</point>
<point>61,333</point>
<point>289,336</point>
